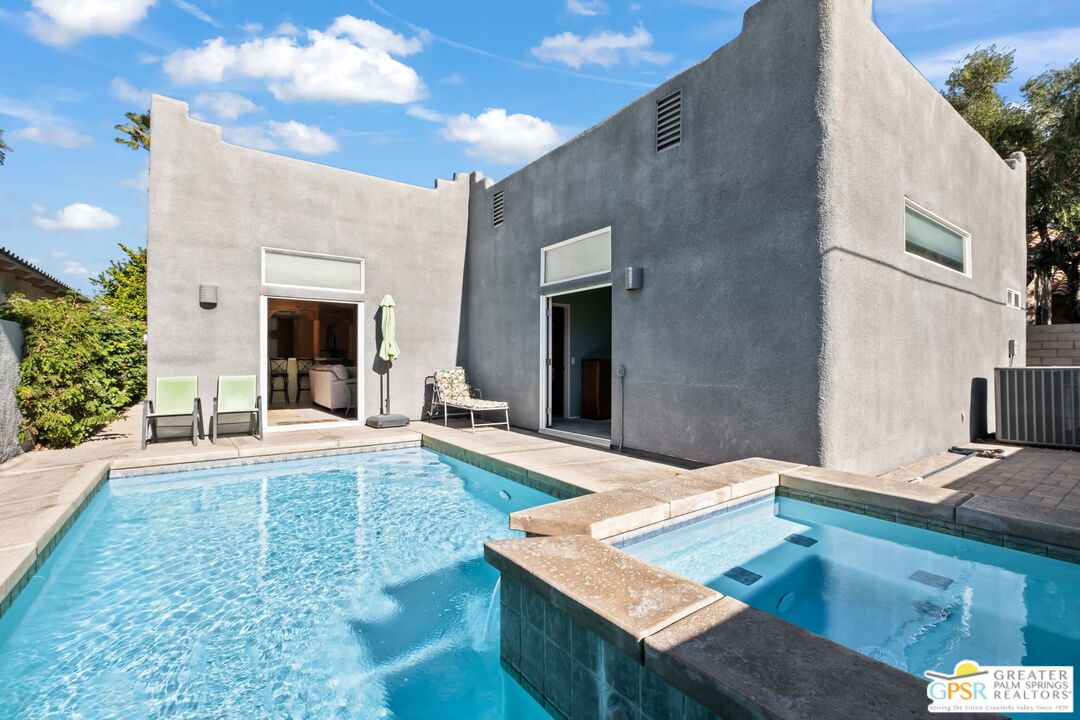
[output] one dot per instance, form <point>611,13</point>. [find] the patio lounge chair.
<point>237,395</point>
<point>174,397</point>
<point>451,389</point>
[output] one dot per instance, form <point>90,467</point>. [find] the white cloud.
<point>56,136</point>
<point>72,267</point>
<point>123,90</point>
<point>422,113</point>
<point>252,28</point>
<point>502,138</point>
<point>589,8</point>
<point>43,127</point>
<point>302,138</point>
<point>350,62</point>
<point>286,28</point>
<point>225,105</point>
<point>1035,52</point>
<point>63,22</point>
<point>290,135</point>
<point>369,34</point>
<point>79,216</point>
<point>604,48</point>
<point>146,58</point>
<point>454,79</point>
<point>196,12</point>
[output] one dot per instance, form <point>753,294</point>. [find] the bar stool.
<point>279,370</point>
<point>303,376</point>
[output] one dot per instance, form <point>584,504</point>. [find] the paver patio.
<point>1040,476</point>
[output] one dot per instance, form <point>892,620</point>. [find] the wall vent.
<point>497,208</point>
<point>669,121</point>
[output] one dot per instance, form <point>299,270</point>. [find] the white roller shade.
<point>329,272</point>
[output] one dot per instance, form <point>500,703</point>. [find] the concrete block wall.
<point>1053,345</point>
<point>576,674</point>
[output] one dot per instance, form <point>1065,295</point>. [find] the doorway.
<point>310,373</point>
<point>577,385</point>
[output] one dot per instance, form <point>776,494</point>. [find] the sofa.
<point>330,386</point>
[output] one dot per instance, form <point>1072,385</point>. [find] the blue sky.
<point>406,89</point>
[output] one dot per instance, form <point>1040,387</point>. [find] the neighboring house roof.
<point>23,270</point>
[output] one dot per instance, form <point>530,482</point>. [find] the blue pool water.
<point>343,587</point>
<point>915,599</point>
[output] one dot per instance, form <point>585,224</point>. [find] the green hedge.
<point>82,362</point>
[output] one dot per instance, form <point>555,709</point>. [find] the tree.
<point>137,131</point>
<point>122,286</point>
<point>1046,128</point>
<point>4,149</point>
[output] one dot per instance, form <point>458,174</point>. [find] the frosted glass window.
<point>329,272</point>
<point>934,241</point>
<point>587,255</point>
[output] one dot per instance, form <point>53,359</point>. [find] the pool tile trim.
<point>99,475</point>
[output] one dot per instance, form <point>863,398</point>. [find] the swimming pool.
<point>340,587</point>
<point>915,599</point>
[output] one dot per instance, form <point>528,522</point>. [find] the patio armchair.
<point>175,397</point>
<point>237,395</point>
<point>451,389</point>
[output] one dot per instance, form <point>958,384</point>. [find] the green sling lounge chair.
<point>237,395</point>
<point>451,389</point>
<point>175,397</point>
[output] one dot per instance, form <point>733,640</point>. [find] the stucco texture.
<point>780,315</point>
<point>11,347</point>
<point>214,206</point>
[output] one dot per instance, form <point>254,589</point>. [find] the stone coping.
<point>1050,525</point>
<point>740,662</point>
<point>619,597</point>
<point>655,499</point>
<point>895,495</point>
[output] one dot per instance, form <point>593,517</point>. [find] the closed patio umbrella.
<point>388,352</point>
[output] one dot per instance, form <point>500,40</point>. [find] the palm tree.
<point>4,149</point>
<point>137,131</point>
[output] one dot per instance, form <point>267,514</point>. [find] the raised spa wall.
<point>592,631</point>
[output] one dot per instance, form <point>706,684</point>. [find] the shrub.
<point>82,362</point>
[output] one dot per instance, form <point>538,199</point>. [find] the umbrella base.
<point>387,421</point>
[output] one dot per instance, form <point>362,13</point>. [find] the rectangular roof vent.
<point>669,121</point>
<point>497,208</point>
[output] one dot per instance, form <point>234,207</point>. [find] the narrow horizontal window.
<point>324,272</point>
<point>935,240</point>
<point>578,257</point>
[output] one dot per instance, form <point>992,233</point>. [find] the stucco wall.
<point>213,206</point>
<point>721,344</point>
<point>906,338</point>
<point>11,347</point>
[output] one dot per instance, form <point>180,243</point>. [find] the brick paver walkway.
<point>1035,475</point>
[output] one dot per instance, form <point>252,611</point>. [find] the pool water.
<point>915,599</point>
<point>344,587</point>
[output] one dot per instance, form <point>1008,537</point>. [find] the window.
<point>497,216</point>
<point>1014,299</point>
<point>585,255</point>
<point>669,121</point>
<point>936,240</point>
<point>302,269</point>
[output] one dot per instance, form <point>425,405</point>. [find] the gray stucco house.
<point>824,260</point>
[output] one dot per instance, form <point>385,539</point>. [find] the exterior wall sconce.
<point>208,297</point>
<point>633,278</point>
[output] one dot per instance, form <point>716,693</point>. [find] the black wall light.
<point>633,278</point>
